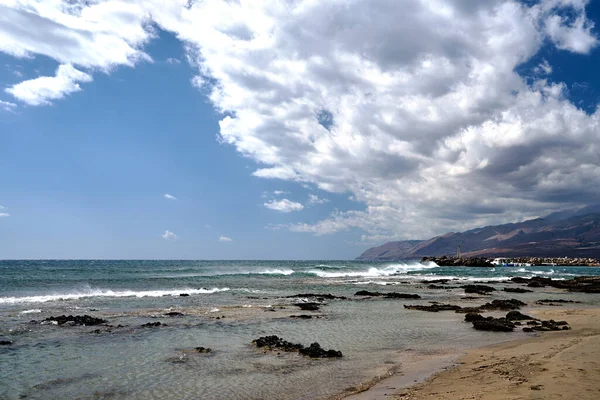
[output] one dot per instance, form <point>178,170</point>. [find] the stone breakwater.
<point>446,261</point>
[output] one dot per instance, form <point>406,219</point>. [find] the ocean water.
<point>230,303</point>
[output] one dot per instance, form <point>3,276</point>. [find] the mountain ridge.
<point>570,233</point>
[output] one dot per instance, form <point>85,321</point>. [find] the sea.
<point>224,306</point>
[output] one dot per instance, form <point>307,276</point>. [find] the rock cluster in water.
<point>494,305</point>
<point>511,321</point>
<point>85,320</point>
<point>445,261</point>
<point>314,350</point>
<point>584,284</point>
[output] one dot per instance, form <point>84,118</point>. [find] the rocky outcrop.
<point>495,305</point>
<point>434,307</point>
<point>202,349</point>
<point>152,325</point>
<point>316,351</point>
<point>85,320</point>
<point>545,326</point>
<point>493,324</point>
<point>517,316</point>
<point>276,343</point>
<point>388,295</point>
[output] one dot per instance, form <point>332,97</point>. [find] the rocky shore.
<point>447,261</point>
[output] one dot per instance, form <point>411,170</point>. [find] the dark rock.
<point>184,295</point>
<point>527,329</point>
<point>319,297</point>
<point>517,316</point>
<point>316,351</point>
<point>437,281</point>
<point>203,349</point>
<point>152,325</point>
<point>275,343</point>
<point>5,342</point>
<point>534,322</point>
<point>503,305</point>
<point>518,279</point>
<point>479,289</point>
<point>389,295</point>
<point>85,320</point>
<point>516,290</point>
<point>173,314</point>
<point>432,286</point>
<point>470,317</point>
<point>303,316</point>
<point>434,307</point>
<point>308,306</point>
<point>494,324</point>
<point>556,301</point>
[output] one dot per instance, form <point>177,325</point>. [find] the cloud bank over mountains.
<point>415,108</point>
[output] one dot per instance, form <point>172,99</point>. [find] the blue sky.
<point>226,115</point>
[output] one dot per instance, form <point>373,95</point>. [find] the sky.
<point>243,129</point>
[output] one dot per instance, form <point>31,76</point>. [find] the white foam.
<point>33,311</point>
<point>373,272</point>
<point>274,272</point>
<point>106,293</point>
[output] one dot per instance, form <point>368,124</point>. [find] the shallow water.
<point>49,361</point>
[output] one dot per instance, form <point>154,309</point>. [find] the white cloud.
<point>172,60</point>
<point>7,106</point>
<point>283,205</point>
<point>2,208</point>
<point>314,199</point>
<point>428,124</point>
<point>207,226</point>
<point>543,68</point>
<point>4,215</point>
<point>169,197</point>
<point>40,91</point>
<point>168,235</point>
<point>225,239</point>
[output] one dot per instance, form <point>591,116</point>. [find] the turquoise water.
<point>225,310</point>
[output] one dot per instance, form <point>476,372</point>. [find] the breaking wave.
<point>106,293</point>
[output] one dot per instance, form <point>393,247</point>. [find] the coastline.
<point>563,364</point>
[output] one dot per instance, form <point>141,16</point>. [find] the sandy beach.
<point>553,365</point>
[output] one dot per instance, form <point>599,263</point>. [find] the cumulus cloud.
<point>314,199</point>
<point>2,214</point>
<point>169,196</point>
<point>172,60</point>
<point>414,109</point>
<point>168,235</point>
<point>284,205</point>
<point>7,106</point>
<point>40,91</point>
<point>225,239</point>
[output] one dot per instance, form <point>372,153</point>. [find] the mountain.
<point>571,233</point>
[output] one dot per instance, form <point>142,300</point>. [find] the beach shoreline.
<point>563,364</point>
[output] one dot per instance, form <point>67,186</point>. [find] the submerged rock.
<point>85,320</point>
<point>5,342</point>
<point>302,316</point>
<point>173,314</point>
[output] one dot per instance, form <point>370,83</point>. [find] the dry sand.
<point>553,365</point>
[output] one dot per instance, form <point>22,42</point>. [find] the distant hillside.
<point>565,234</point>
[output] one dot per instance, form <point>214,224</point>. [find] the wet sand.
<point>550,365</point>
